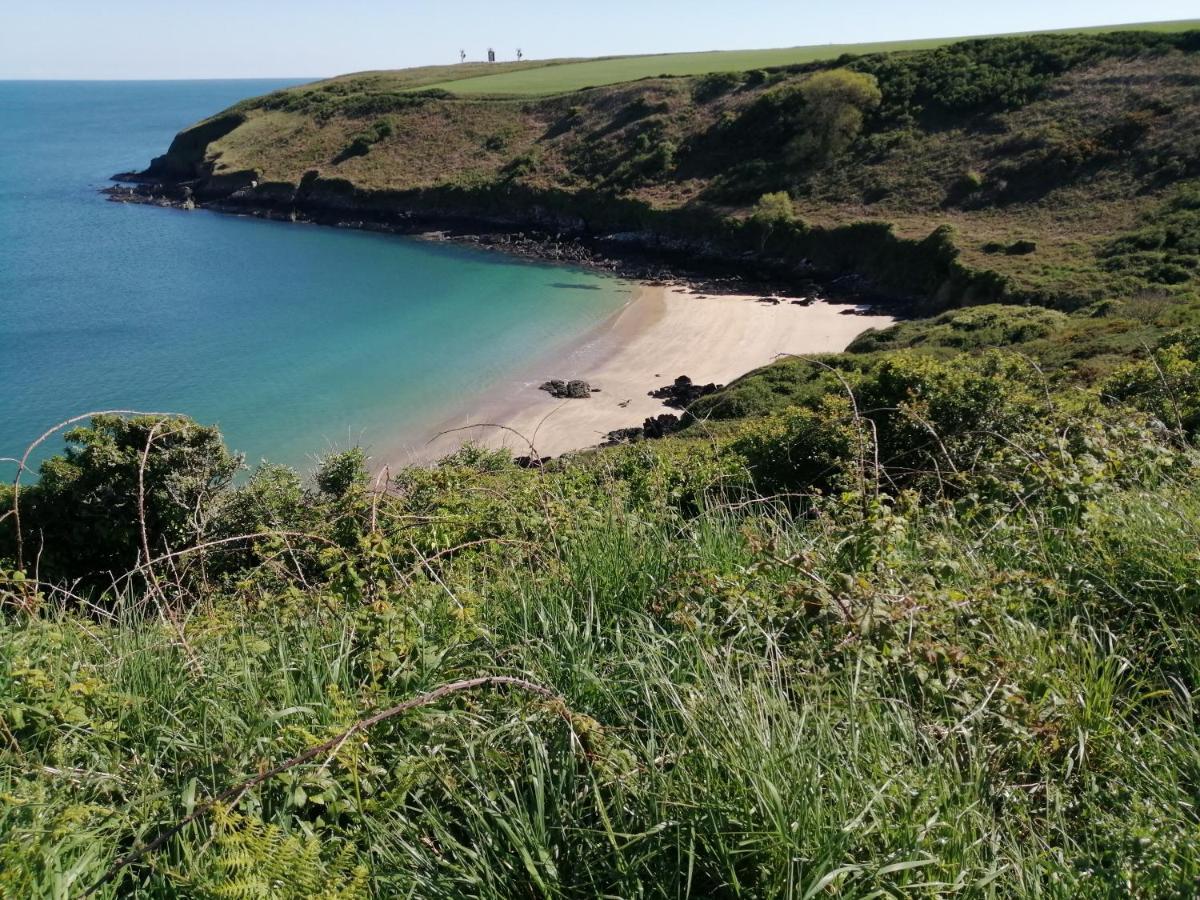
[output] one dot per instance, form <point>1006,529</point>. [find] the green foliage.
<point>1167,385</point>
<point>834,106</point>
<point>525,164</point>
<point>773,388</point>
<point>345,99</point>
<point>888,693</point>
<point>911,420</point>
<point>84,517</point>
<point>983,75</point>
<point>362,142</point>
<point>252,860</point>
<point>972,328</point>
<point>710,87</point>
<point>339,474</point>
<point>1166,249</point>
<point>773,209</point>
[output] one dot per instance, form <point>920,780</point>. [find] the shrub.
<point>85,515</point>
<point>341,473</point>
<point>1166,385</point>
<point>773,210</point>
<point>710,87</point>
<point>835,103</point>
<point>922,419</point>
<point>362,142</point>
<point>1166,248</point>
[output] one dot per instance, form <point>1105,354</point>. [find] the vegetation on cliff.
<point>1018,170</point>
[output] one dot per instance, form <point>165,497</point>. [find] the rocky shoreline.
<point>621,255</point>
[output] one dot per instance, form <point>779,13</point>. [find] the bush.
<point>709,87</point>
<point>835,103</point>
<point>1166,385</point>
<point>362,143</point>
<point>973,328</point>
<point>1166,248</point>
<point>921,419</point>
<point>772,211</point>
<point>85,515</point>
<point>998,73</point>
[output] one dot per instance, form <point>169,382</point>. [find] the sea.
<point>294,339</point>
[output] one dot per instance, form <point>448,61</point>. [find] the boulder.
<point>682,393</point>
<point>575,389</point>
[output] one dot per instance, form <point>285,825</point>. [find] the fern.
<point>252,860</point>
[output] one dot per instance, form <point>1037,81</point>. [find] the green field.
<point>561,77</point>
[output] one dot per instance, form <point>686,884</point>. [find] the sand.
<point>663,332</point>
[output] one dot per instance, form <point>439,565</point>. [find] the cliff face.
<point>187,157</point>
<point>989,169</point>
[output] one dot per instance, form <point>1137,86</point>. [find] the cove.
<point>294,339</point>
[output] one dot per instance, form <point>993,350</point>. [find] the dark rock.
<point>660,426</point>
<point>683,393</point>
<point>652,429</point>
<point>568,390</point>
<point>623,436</point>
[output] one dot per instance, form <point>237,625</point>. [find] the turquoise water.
<point>292,338</point>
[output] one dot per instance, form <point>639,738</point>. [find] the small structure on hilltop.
<point>519,54</point>
<point>491,55</point>
<point>462,56</point>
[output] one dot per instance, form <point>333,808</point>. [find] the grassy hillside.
<point>943,645</point>
<point>596,73</point>
<point>428,76</point>
<point>1015,170</point>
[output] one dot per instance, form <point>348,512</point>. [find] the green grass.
<point>1004,711</point>
<point>429,76</point>
<point>954,653</point>
<point>573,76</point>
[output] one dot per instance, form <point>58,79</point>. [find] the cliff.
<point>1005,169</point>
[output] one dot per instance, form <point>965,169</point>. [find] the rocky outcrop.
<point>569,390</point>
<point>682,393</point>
<point>653,428</point>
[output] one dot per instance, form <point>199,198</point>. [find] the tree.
<point>833,105</point>
<point>770,212</point>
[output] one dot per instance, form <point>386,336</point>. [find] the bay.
<point>294,339</point>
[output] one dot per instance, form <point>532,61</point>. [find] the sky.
<point>120,39</point>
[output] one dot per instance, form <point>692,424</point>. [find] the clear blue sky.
<point>252,38</point>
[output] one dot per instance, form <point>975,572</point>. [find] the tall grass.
<point>989,709</point>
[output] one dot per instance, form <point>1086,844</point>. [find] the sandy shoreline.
<point>663,332</point>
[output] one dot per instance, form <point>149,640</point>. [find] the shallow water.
<point>292,338</point>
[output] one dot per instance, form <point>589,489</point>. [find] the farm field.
<point>558,77</point>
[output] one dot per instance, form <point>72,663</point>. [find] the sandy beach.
<point>663,332</point>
